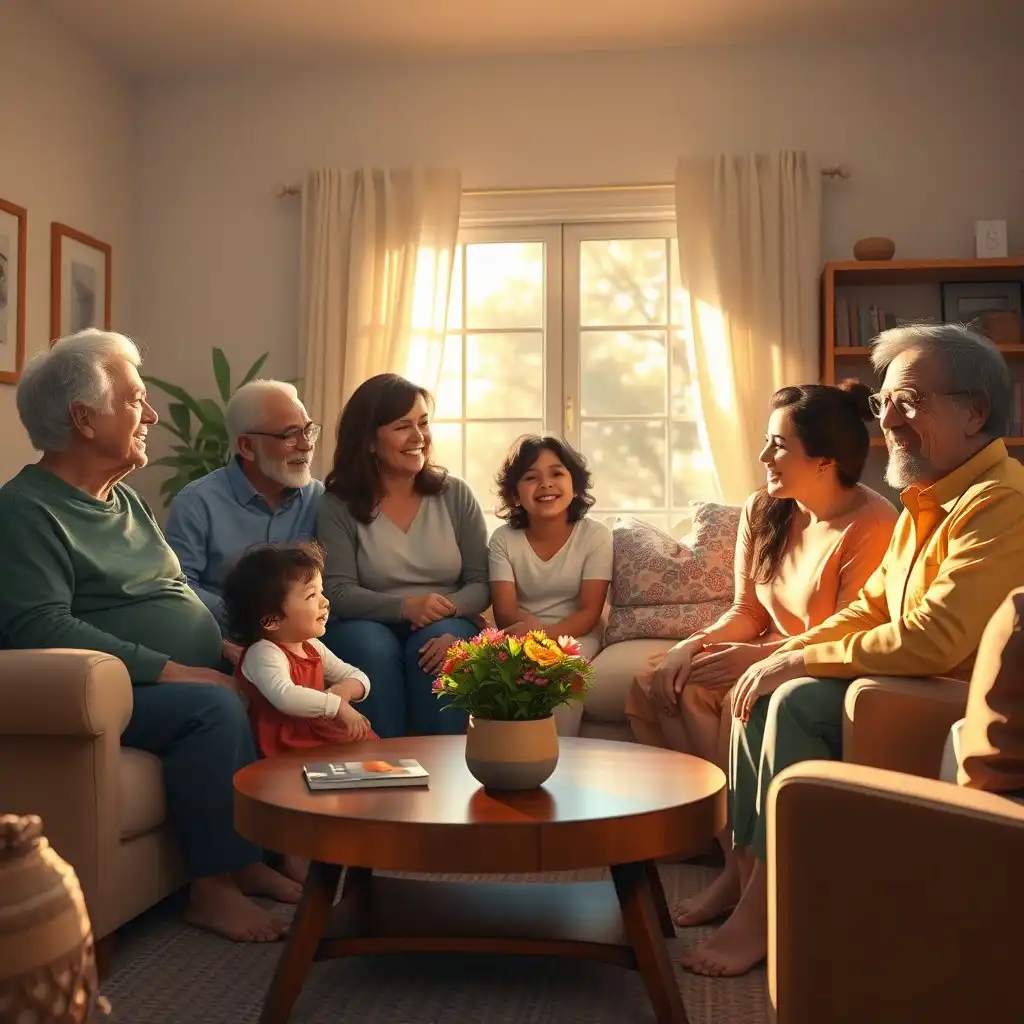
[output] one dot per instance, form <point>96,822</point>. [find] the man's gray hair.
<point>76,370</point>
<point>973,365</point>
<point>244,411</point>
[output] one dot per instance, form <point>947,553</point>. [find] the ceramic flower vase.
<point>504,756</point>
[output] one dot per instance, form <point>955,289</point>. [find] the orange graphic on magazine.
<point>378,766</point>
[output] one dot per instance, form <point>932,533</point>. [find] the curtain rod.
<point>828,172</point>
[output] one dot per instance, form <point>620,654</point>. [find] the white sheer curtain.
<point>750,255</point>
<point>378,247</point>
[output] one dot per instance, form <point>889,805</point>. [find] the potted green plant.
<point>199,426</point>
<point>510,686</point>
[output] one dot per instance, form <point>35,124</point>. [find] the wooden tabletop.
<point>606,803</point>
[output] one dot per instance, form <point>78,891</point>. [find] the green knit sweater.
<point>78,572</point>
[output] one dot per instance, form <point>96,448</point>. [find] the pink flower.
<point>437,686</point>
<point>540,681</point>
<point>502,656</point>
<point>569,644</point>
<point>489,636</point>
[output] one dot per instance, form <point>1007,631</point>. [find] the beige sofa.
<point>61,718</point>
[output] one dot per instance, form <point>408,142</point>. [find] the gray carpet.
<point>167,973</point>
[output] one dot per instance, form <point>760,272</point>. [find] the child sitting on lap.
<point>300,694</point>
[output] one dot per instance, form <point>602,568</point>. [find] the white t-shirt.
<point>265,665</point>
<point>551,590</point>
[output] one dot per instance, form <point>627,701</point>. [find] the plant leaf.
<point>181,418</point>
<point>176,392</point>
<point>222,373</point>
<point>255,368</point>
<point>172,429</point>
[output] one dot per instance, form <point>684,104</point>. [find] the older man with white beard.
<point>957,550</point>
<point>264,495</point>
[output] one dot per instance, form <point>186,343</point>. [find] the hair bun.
<point>858,393</point>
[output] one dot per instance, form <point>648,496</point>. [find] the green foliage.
<point>513,678</point>
<point>198,425</point>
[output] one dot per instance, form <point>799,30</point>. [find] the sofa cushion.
<point>664,587</point>
<point>615,668</point>
<point>140,792</point>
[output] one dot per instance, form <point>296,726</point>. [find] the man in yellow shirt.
<point>957,550</point>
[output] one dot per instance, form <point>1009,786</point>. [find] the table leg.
<point>644,929</point>
<point>300,946</point>
<point>668,929</point>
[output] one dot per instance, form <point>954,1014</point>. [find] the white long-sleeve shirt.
<point>265,665</point>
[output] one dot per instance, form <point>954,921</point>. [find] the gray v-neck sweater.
<point>370,568</point>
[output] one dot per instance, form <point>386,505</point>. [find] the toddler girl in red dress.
<point>299,694</point>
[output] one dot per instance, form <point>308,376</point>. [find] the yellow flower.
<point>543,655</point>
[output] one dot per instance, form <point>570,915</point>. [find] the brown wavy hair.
<point>831,423</point>
<point>521,456</point>
<point>355,476</point>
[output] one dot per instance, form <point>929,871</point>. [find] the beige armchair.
<point>61,718</point>
<point>893,897</point>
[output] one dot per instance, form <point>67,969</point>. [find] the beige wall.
<point>929,136</point>
<point>65,155</point>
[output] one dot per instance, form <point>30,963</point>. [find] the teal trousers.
<point>801,721</point>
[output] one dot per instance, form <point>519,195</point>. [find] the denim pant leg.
<point>374,648</point>
<point>202,735</point>
<point>428,716</point>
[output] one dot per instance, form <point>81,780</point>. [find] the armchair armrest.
<point>923,926</point>
<point>63,693</point>
<point>62,713</point>
<point>901,724</point>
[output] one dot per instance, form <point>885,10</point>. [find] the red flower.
<point>569,645</point>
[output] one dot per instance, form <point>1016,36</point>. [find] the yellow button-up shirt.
<point>957,550</point>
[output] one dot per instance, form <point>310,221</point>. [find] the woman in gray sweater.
<point>406,556</point>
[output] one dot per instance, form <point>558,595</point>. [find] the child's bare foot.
<point>721,895</point>
<point>294,868</point>
<point>260,879</point>
<point>217,905</point>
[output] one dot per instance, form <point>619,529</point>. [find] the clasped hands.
<point>756,675</point>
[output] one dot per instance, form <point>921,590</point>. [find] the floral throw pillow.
<point>653,568</point>
<point>668,588</point>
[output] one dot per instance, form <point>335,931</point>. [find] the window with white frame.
<point>577,330</point>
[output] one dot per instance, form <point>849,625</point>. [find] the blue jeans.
<point>401,700</point>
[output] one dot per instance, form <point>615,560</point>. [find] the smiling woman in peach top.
<point>807,542</point>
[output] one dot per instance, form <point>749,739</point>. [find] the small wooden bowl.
<point>874,248</point>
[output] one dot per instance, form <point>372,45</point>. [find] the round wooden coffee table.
<point>616,805</point>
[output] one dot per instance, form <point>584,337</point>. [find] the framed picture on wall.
<point>13,241</point>
<point>968,302</point>
<point>79,282</point>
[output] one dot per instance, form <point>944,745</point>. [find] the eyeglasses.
<point>904,401</point>
<point>311,431</point>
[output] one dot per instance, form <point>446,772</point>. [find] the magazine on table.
<point>335,775</point>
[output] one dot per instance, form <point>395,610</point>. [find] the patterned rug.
<point>165,972</point>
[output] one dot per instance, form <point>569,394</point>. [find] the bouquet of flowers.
<point>513,678</point>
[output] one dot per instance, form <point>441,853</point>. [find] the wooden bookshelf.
<point>911,290</point>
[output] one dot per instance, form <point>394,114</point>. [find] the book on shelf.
<point>335,775</point>
<point>858,324</point>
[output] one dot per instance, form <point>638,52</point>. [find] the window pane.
<point>447,443</point>
<point>455,299</point>
<point>623,374</point>
<point>623,282</point>
<point>685,399</point>
<point>505,285</point>
<point>449,388</point>
<point>692,476</point>
<point>505,375</point>
<point>486,445</point>
<point>628,463</point>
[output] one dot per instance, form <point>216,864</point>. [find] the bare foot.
<point>294,868</point>
<point>217,905</point>
<point>721,895</point>
<point>260,879</point>
<point>740,944</point>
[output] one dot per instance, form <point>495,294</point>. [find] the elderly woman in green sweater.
<point>84,565</point>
